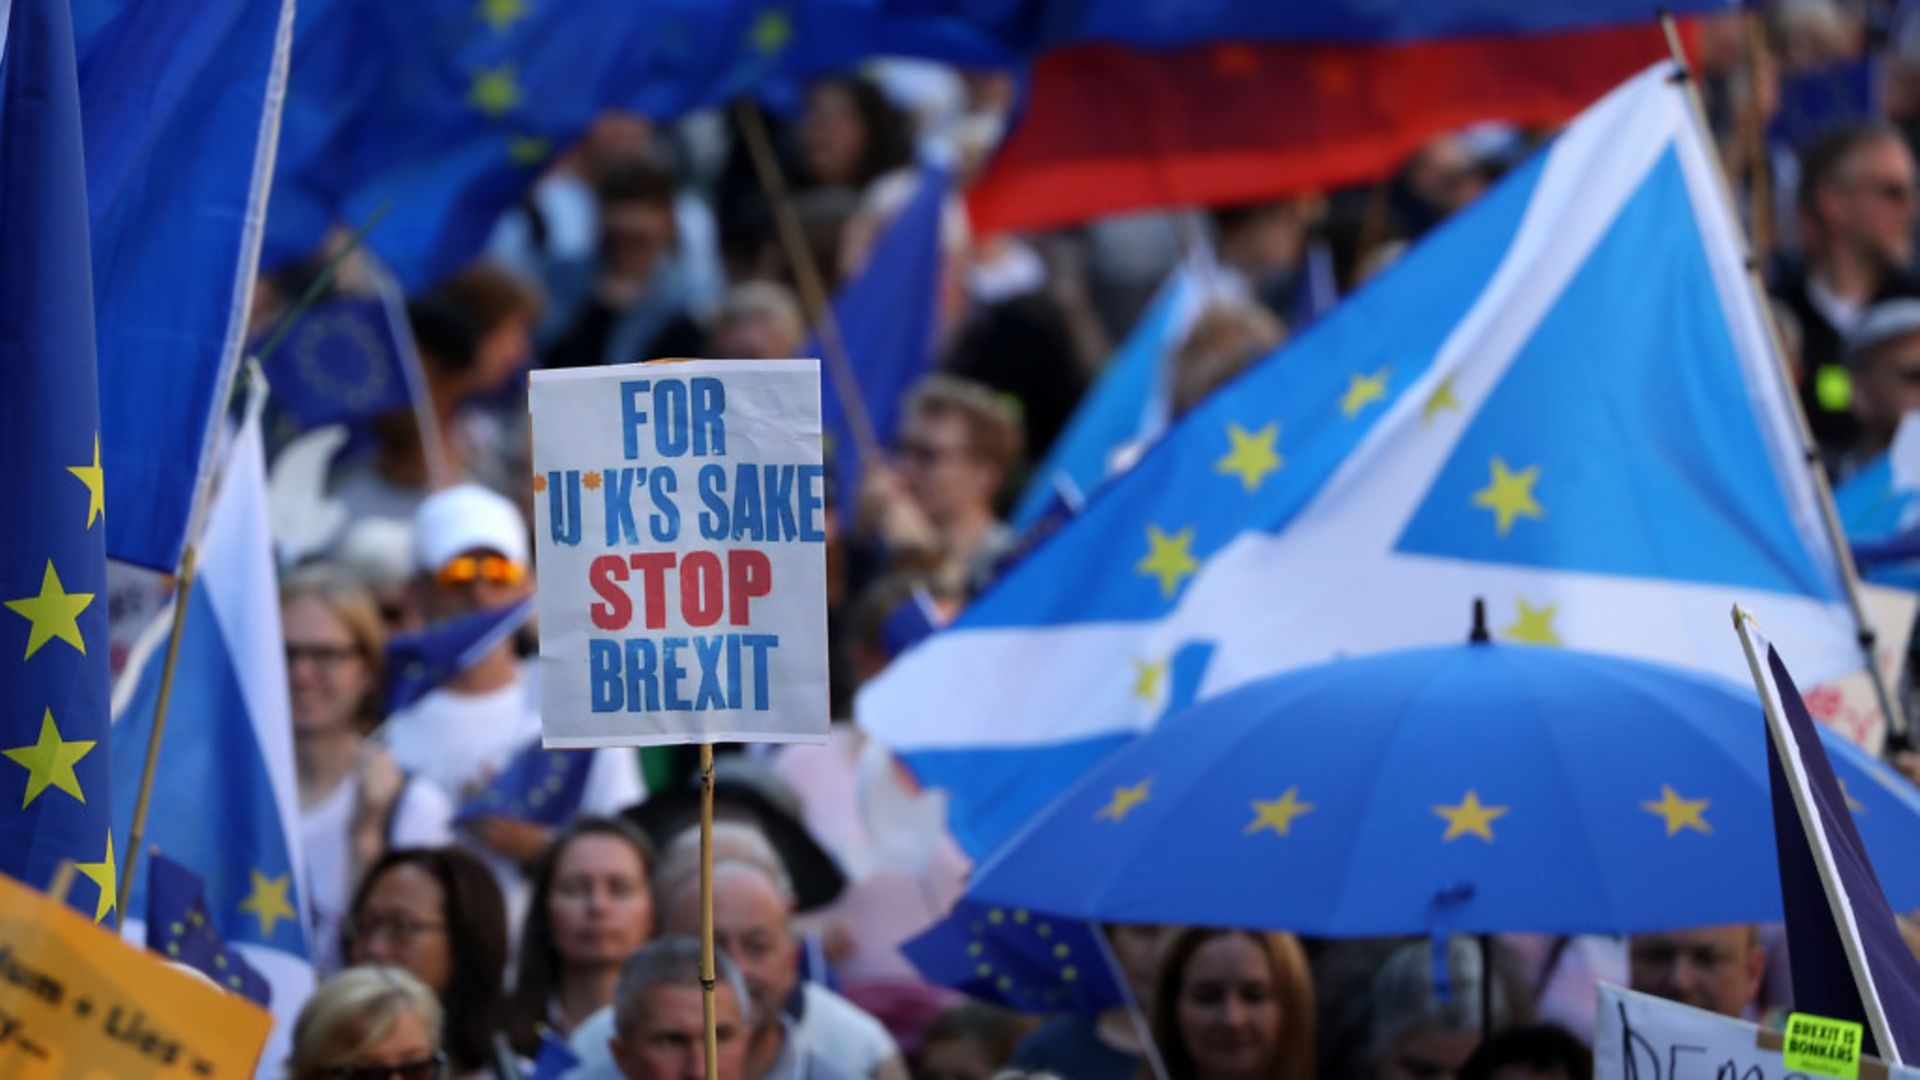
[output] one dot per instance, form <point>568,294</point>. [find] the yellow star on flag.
<point>528,149</point>
<point>49,762</point>
<point>1679,813</point>
<point>55,613</point>
<point>1442,398</point>
<point>771,31</point>
<point>105,875</point>
<point>95,479</point>
<point>1124,800</point>
<point>1510,495</point>
<point>1471,816</point>
<point>502,14</point>
<point>1250,455</point>
<point>495,91</point>
<point>1169,558</point>
<point>268,901</point>
<point>1363,390</point>
<point>1278,814</point>
<point>1146,678</point>
<point>1533,625</point>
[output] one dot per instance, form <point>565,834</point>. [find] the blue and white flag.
<point>182,114</point>
<point>1844,947</point>
<point>1563,400</point>
<point>224,798</point>
<point>1128,405</point>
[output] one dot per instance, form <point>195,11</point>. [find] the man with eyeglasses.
<point>471,548</point>
<point>1857,211</point>
<point>1718,968</point>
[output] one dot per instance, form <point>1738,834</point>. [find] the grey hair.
<point>1406,994</point>
<point>671,960</point>
<point>733,842</point>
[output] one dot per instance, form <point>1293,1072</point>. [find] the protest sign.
<point>76,1001</point>
<point>680,538</point>
<point>1646,1038</point>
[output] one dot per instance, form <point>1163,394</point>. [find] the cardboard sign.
<point>680,538</point>
<point>1640,1037</point>
<point>76,1001</point>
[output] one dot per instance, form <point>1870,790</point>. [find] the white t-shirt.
<point>838,1031</point>
<point>422,817</point>
<point>460,741</point>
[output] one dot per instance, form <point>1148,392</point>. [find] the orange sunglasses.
<point>467,569</point>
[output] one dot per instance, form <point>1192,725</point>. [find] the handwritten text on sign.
<point>680,531</point>
<point>1638,1037</point>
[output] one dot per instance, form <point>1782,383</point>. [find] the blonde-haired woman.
<point>368,1023</point>
<point>354,802</point>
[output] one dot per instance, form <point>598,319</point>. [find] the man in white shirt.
<point>471,548</point>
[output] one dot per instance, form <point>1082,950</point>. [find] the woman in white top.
<point>355,802</point>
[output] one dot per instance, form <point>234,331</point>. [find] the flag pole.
<point>1808,815</point>
<point>1148,1048</point>
<point>806,274</point>
<point>707,978</point>
<point>1864,633</point>
<point>187,570</point>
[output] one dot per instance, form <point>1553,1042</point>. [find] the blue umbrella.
<point>1474,788</point>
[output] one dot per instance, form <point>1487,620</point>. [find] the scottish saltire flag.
<point>539,785</point>
<point>1562,400</point>
<point>182,106</point>
<point>1848,959</point>
<point>1016,959</point>
<point>1128,405</point>
<point>342,361</point>
<point>418,662</point>
<point>887,314</point>
<point>55,796</point>
<point>1879,509</point>
<point>224,797</point>
<point>180,927</point>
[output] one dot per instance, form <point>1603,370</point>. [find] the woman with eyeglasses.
<point>592,907</point>
<point>354,801</point>
<point>370,1023</point>
<point>437,913</point>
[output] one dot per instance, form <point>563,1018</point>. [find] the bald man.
<point>1717,968</point>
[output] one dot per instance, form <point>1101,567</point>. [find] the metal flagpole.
<point>1897,732</point>
<point>813,289</point>
<point>707,978</point>
<point>1148,1048</point>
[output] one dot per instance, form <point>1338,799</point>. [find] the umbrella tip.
<point>1479,636</point>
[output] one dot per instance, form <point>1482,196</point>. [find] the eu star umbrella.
<point>1475,788</point>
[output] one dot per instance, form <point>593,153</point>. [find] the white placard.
<point>679,523</point>
<point>1641,1037</point>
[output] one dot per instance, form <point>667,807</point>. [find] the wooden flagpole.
<point>707,977</point>
<point>1897,735</point>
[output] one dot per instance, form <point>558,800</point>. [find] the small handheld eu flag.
<point>179,928</point>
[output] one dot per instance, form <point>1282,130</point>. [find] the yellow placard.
<point>77,1003</point>
<point>1819,1046</point>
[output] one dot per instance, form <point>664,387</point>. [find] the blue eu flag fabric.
<point>55,796</point>
<point>539,785</point>
<point>887,316</point>
<point>417,663</point>
<point>554,1059</point>
<point>181,113</point>
<point>341,361</point>
<point>179,927</point>
<point>1017,959</point>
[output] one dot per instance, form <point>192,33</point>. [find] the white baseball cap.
<point>463,518</point>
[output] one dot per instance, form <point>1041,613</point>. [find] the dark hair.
<point>445,334</point>
<point>1292,987</point>
<point>1826,157</point>
<point>476,919</point>
<point>888,144</point>
<point>539,971</point>
<point>996,1031</point>
<point>489,296</point>
<point>634,179</point>
<point>1538,1046</point>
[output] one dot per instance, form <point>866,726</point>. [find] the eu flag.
<point>179,927</point>
<point>420,661</point>
<point>53,634</point>
<point>539,785</point>
<point>341,361</point>
<point>1017,959</point>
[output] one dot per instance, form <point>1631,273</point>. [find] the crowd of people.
<point>446,941</point>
